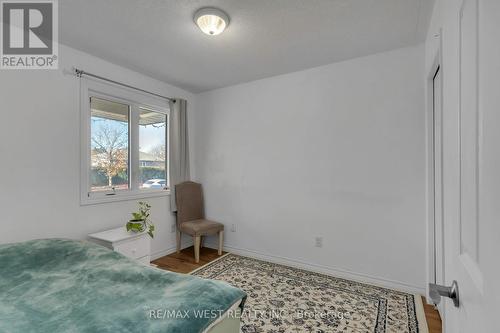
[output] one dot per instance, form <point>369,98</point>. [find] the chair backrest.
<point>189,200</point>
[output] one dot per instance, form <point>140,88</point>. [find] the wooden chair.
<point>191,217</point>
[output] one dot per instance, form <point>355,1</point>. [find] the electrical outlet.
<point>172,227</point>
<point>233,227</point>
<point>319,241</point>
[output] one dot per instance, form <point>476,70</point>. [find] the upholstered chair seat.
<point>201,227</point>
<point>191,217</point>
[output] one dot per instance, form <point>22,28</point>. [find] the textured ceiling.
<point>265,37</point>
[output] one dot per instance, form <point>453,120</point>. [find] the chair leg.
<point>221,241</point>
<point>178,239</point>
<point>202,241</point>
<point>197,249</point>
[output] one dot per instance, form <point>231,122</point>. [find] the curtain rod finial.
<point>78,72</point>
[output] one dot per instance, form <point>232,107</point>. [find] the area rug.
<point>284,299</point>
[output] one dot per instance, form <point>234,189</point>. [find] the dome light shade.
<point>211,21</point>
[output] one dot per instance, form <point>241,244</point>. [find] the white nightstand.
<point>133,245</point>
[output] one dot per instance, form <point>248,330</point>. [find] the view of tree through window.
<point>109,145</point>
<point>152,149</point>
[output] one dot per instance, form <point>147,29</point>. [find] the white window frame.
<point>111,92</point>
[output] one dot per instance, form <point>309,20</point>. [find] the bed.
<point>58,285</point>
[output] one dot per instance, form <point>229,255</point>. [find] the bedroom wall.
<point>40,156</point>
<point>336,152</point>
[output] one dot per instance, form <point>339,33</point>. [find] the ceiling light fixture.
<point>211,21</point>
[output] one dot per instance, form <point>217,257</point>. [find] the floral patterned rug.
<point>283,299</point>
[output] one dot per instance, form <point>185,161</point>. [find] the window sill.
<point>86,201</point>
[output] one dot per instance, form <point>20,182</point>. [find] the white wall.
<point>40,156</point>
<point>337,152</point>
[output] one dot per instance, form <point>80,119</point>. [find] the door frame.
<point>437,63</point>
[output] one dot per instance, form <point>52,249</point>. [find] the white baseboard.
<point>335,272</point>
<point>163,253</point>
<point>170,250</point>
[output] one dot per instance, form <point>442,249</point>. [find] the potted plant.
<point>140,221</point>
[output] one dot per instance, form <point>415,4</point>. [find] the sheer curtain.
<point>179,147</point>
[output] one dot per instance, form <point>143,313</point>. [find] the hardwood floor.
<point>432,317</point>
<point>184,263</point>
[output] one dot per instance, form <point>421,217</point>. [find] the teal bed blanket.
<point>57,285</point>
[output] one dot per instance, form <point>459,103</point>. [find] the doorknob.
<point>436,291</point>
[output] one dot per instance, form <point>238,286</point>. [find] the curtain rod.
<point>79,73</point>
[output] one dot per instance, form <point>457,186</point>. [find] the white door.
<point>472,239</point>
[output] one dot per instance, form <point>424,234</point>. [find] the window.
<point>152,148</point>
<point>109,145</point>
<point>124,144</point>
